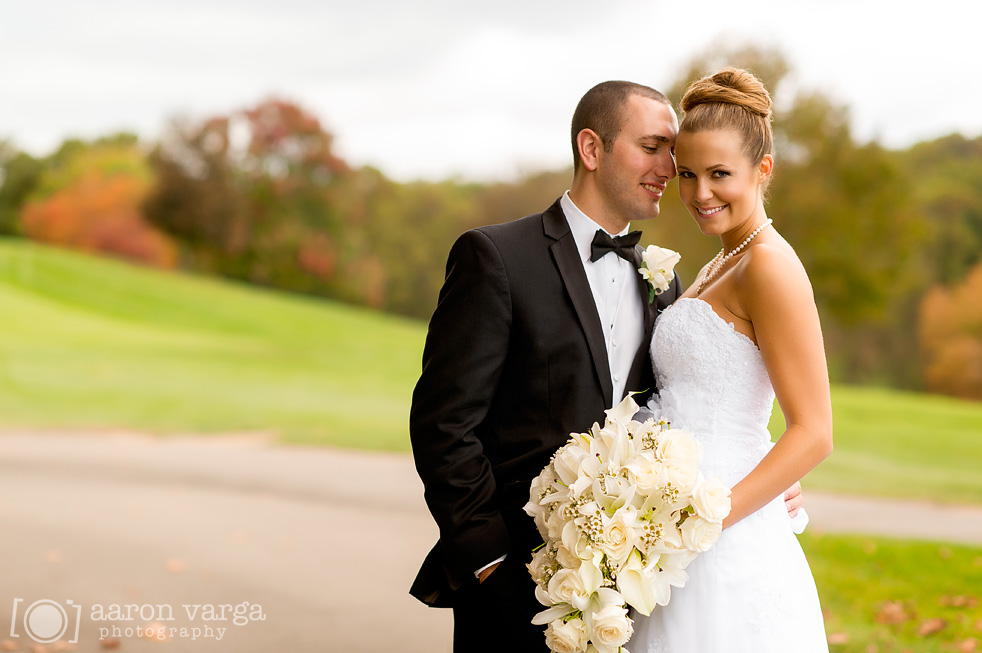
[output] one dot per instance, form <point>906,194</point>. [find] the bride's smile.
<point>720,185</point>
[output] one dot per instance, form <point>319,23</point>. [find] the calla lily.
<point>555,612</point>
<point>622,412</point>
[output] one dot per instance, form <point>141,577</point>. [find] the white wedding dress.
<point>753,591</point>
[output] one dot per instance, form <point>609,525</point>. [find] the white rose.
<point>610,628</point>
<point>565,557</point>
<point>676,444</point>
<point>682,474</point>
<point>575,540</point>
<point>711,499</point>
<point>567,463</point>
<point>699,534</point>
<point>564,585</point>
<point>658,267</point>
<point>620,534</point>
<point>648,473</point>
<point>576,586</point>
<point>569,637</point>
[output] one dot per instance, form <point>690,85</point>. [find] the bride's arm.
<point>773,288</point>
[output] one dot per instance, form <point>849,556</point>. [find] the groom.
<point>533,338</point>
<point>541,325</point>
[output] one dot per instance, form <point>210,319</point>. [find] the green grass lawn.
<point>90,343</point>
<point>901,444</point>
<point>881,595</point>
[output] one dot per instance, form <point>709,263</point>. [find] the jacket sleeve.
<point>463,358</point>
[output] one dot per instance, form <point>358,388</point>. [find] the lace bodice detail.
<point>712,381</point>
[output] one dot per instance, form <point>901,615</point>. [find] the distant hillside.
<point>91,343</point>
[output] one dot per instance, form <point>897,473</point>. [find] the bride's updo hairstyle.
<point>733,98</point>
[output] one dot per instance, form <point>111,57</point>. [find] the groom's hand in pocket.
<point>793,500</point>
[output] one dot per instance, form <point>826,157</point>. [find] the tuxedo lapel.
<point>570,267</point>
<point>635,376</point>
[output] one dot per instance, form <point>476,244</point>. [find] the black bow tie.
<point>623,245</point>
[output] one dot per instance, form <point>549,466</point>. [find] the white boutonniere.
<point>658,269</point>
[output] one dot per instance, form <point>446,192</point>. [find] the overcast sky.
<point>435,88</point>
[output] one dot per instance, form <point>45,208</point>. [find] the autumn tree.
<point>250,196</point>
<point>951,337</point>
<point>88,197</point>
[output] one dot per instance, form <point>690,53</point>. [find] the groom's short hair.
<point>601,110</point>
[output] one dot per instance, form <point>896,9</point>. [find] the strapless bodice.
<point>712,381</point>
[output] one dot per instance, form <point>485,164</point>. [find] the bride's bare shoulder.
<point>773,269</point>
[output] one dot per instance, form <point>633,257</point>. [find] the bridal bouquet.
<point>623,510</point>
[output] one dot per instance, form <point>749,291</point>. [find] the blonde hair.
<point>733,98</point>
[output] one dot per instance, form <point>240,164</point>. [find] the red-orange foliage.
<point>951,337</point>
<point>318,256</point>
<point>286,140</point>
<point>99,213</point>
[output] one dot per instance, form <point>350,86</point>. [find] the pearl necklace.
<point>719,260</point>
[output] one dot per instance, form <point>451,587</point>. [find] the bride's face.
<point>719,185</point>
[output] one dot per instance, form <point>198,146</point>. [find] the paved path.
<point>325,542</point>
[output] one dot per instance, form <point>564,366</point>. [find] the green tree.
<point>949,193</point>
<point>19,174</point>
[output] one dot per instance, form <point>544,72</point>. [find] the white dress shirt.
<point>614,283</point>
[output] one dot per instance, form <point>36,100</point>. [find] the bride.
<point>745,331</point>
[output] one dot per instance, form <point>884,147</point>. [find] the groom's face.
<point>635,173</point>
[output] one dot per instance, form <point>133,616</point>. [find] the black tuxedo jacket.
<point>514,361</point>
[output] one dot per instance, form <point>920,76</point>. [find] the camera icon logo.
<point>47,621</point>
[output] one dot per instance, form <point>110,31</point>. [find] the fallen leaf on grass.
<point>959,601</point>
<point>872,648</point>
<point>931,626</point>
<point>968,646</point>
<point>893,612</point>
<point>838,638</point>
<point>109,643</point>
<point>8,645</point>
<point>62,645</point>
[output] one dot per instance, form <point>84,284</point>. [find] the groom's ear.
<point>589,143</point>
